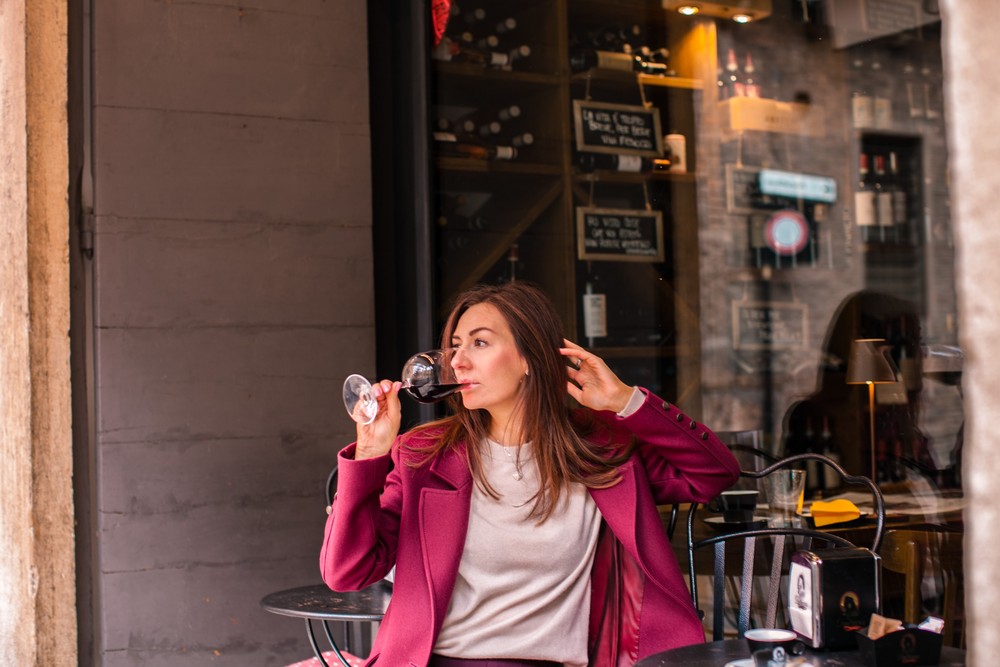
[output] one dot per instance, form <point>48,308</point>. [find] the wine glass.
<point>427,376</point>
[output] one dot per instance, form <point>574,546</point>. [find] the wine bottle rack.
<point>518,215</point>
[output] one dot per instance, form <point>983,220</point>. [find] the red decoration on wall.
<point>440,9</point>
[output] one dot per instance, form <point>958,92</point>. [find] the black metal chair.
<point>318,604</point>
<point>779,542</point>
<point>748,448</point>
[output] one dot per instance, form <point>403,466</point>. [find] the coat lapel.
<point>617,505</point>
<point>444,519</point>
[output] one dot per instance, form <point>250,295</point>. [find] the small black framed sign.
<point>602,127</point>
<point>619,235</point>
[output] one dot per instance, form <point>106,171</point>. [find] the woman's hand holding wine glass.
<point>375,437</point>
<point>427,377</point>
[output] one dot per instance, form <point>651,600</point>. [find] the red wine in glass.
<point>432,393</point>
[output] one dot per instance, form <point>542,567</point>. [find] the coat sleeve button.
<point>680,417</point>
<point>704,436</point>
<point>693,425</point>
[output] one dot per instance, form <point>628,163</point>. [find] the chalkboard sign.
<point>617,128</point>
<point>769,325</point>
<point>741,184</point>
<point>619,235</point>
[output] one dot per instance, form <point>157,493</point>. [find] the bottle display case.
<point>573,165</point>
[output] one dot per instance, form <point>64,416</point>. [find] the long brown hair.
<point>564,448</point>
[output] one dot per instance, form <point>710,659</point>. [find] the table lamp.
<point>868,365</point>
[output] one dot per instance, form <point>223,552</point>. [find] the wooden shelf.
<point>601,75</point>
<point>481,74</point>
<point>497,166</point>
<point>631,177</point>
<point>670,82</point>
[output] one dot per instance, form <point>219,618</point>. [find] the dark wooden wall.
<point>232,294</point>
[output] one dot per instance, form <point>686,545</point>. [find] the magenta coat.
<point>387,513</point>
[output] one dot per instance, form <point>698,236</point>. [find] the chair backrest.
<point>763,551</point>
<point>748,448</point>
<point>910,552</point>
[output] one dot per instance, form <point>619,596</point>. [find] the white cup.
<point>677,145</point>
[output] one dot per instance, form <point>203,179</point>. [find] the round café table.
<point>717,654</point>
<point>318,603</point>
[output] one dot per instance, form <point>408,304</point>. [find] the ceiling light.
<point>754,10</point>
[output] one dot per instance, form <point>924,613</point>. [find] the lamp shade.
<point>867,363</point>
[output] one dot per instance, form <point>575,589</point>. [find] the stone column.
<point>972,89</point>
<point>37,582</point>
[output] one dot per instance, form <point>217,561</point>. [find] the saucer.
<point>719,523</point>
<point>742,662</point>
<point>806,514</point>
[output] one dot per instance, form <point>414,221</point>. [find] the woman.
<point>522,533</point>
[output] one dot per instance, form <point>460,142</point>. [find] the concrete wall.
<point>231,270</point>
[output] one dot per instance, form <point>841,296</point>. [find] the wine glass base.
<point>358,399</point>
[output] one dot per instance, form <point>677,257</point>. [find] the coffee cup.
<point>735,505</point>
<point>764,640</point>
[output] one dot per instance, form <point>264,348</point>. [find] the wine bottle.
<point>615,37</point>
<point>900,215</point>
<point>883,197</point>
<point>522,140</point>
<point>864,196</point>
<point>450,145</point>
<point>661,55</point>
<point>914,99</point>
<point>488,43</point>
<point>595,313</point>
<point>491,129</point>
<point>813,467</point>
<point>590,162</point>
<point>474,17</point>
<point>581,60</point>
<point>750,86</point>
<point>470,123</point>
<point>831,478</point>
<point>507,60</point>
<point>506,26</point>
<point>862,109</point>
<point>493,40</point>
<point>649,67</point>
<point>454,50</point>
<point>734,81</point>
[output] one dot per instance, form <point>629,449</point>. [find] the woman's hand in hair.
<point>592,383</point>
<point>376,438</point>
